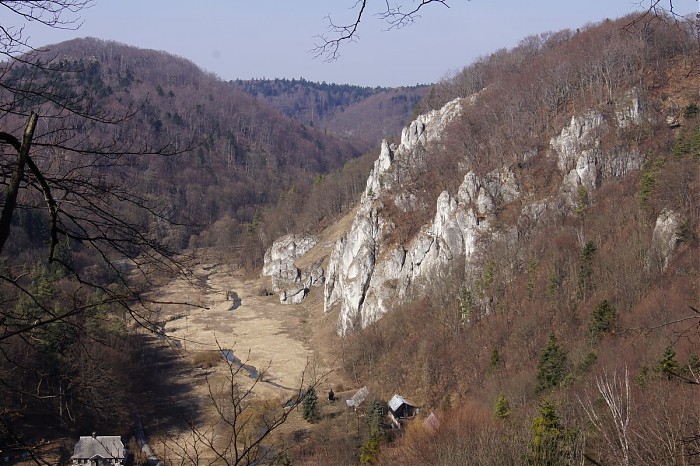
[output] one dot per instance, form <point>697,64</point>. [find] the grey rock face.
<point>579,138</point>
<point>580,157</point>
<point>292,283</point>
<point>367,275</point>
<point>629,110</point>
<point>664,239</point>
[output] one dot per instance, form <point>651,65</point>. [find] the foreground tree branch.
<point>400,14</point>
<point>395,15</point>
<point>78,247</point>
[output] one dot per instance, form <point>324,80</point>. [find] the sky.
<point>237,39</point>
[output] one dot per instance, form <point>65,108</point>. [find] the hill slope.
<point>244,152</point>
<point>532,246</point>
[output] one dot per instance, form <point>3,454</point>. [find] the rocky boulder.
<point>664,239</point>
<point>292,283</point>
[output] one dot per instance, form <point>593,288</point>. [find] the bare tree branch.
<point>618,399</point>
<point>396,15</point>
<point>239,434</point>
<point>56,14</point>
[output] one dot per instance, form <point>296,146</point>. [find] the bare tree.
<point>400,14</point>
<point>242,428</point>
<point>63,165</point>
<point>615,426</point>
<point>58,14</point>
<point>396,16</point>
<point>68,168</point>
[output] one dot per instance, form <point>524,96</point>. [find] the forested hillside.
<point>362,115</point>
<point>523,260</point>
<point>525,263</point>
<point>236,154</point>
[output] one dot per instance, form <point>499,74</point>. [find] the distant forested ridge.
<point>242,153</point>
<point>364,115</point>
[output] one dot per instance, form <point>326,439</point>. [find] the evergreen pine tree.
<point>668,364</point>
<point>310,409</point>
<point>586,269</point>
<point>369,452</point>
<point>602,319</point>
<point>551,444</point>
<point>374,417</point>
<point>494,360</point>
<point>501,407</point>
<point>552,366</point>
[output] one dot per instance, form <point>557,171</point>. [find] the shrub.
<point>206,359</point>
<point>690,110</point>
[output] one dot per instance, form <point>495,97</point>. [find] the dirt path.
<point>283,340</point>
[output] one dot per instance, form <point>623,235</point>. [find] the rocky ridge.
<point>367,276</point>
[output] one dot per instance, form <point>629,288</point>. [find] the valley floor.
<point>291,346</point>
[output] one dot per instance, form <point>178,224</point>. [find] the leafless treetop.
<point>58,14</point>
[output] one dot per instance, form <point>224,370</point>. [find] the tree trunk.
<point>17,175</point>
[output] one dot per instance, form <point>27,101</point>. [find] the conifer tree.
<point>494,361</point>
<point>586,269</point>
<point>551,443</point>
<point>501,407</point>
<point>310,408</point>
<point>374,417</point>
<point>602,320</point>
<point>668,364</point>
<point>552,366</point>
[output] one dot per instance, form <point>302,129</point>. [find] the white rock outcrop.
<point>368,275</point>
<point>579,139</point>
<point>629,110</point>
<point>580,157</point>
<point>292,283</point>
<point>665,238</point>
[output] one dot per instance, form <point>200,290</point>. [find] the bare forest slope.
<point>524,262</point>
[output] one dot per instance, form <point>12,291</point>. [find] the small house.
<point>99,450</point>
<point>401,409</point>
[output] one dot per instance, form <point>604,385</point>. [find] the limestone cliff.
<point>288,280</point>
<point>368,275</point>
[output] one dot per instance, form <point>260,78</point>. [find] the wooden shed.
<point>401,409</point>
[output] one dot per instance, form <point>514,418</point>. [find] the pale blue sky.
<point>272,39</point>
